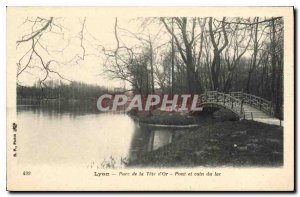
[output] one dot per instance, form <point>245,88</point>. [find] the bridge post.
<point>260,103</point>
<point>271,109</point>
<point>242,103</point>
<point>224,98</point>
<point>231,103</point>
<point>242,94</point>
<point>280,121</point>
<point>217,95</point>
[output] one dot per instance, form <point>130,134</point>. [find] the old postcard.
<point>150,99</point>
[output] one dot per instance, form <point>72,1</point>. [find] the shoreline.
<point>171,126</point>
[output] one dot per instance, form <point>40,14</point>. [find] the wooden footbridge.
<point>245,106</point>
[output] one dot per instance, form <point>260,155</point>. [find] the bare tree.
<point>38,55</point>
<point>215,67</point>
<point>186,52</point>
<point>238,50</point>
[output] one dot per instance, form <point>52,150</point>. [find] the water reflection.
<point>73,107</point>
<point>150,138</point>
<point>51,136</point>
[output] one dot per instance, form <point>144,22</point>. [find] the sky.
<point>66,49</point>
<point>64,45</point>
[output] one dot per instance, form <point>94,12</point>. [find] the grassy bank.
<point>238,143</point>
<point>177,118</point>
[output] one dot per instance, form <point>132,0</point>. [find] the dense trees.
<point>227,54</point>
<point>56,89</point>
<point>180,55</point>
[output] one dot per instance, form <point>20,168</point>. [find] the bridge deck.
<point>259,116</point>
<point>255,112</point>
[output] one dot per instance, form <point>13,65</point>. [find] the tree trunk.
<point>216,63</point>
<point>255,51</point>
<point>151,64</point>
<point>173,56</point>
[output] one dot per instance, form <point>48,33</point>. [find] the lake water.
<point>49,136</point>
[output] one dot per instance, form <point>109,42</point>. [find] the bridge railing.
<point>226,100</point>
<point>255,101</point>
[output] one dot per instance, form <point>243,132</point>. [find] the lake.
<point>95,140</point>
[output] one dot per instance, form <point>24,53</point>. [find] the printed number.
<point>26,173</point>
